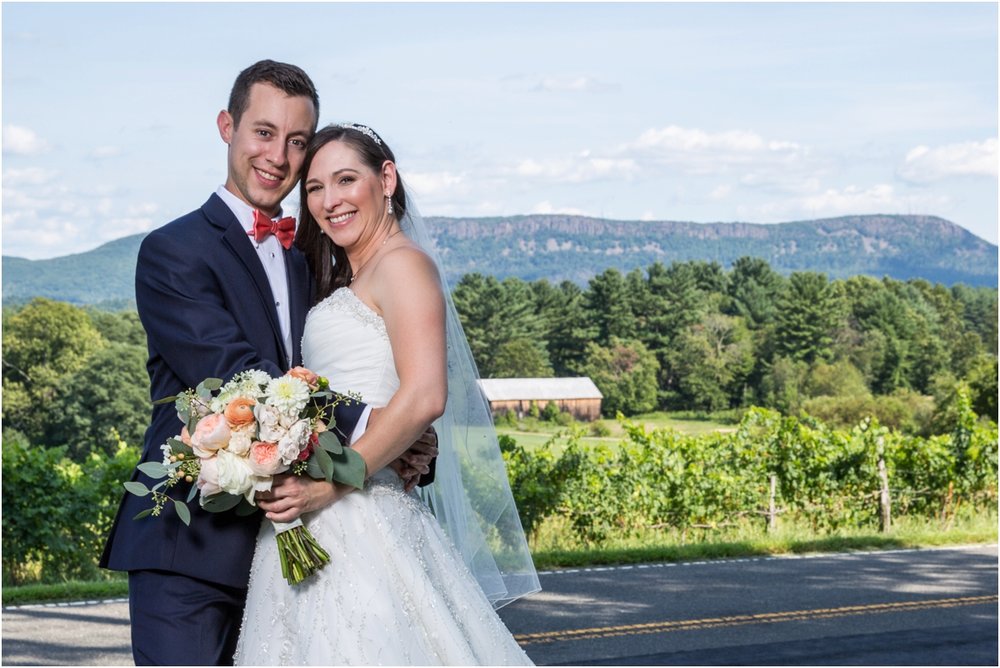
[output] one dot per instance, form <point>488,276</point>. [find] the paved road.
<point>909,607</point>
<point>913,607</point>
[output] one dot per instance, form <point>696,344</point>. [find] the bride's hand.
<point>292,495</point>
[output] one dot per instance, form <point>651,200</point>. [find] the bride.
<point>403,586</point>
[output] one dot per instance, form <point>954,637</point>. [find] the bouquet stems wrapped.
<point>300,554</point>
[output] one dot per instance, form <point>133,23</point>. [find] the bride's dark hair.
<point>328,261</point>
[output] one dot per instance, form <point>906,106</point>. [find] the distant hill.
<point>576,248</point>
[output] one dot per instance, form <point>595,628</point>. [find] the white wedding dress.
<point>396,591</point>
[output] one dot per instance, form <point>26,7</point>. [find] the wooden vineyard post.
<point>884,502</point>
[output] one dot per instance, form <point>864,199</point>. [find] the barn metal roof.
<point>514,389</point>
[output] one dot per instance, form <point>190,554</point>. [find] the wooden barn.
<point>577,396</point>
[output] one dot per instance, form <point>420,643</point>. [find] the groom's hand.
<point>416,461</point>
<point>292,495</point>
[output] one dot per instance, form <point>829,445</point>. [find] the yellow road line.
<point>737,620</point>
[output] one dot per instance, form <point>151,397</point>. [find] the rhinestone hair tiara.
<point>363,129</point>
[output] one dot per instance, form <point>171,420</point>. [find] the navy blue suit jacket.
<point>206,305</point>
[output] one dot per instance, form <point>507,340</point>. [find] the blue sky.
<point>705,112</point>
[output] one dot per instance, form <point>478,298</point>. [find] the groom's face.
<point>268,146</point>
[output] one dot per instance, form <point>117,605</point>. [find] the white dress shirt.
<point>272,257</point>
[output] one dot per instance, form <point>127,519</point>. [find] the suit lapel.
<point>235,238</point>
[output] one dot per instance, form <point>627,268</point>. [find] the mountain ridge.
<point>567,247</point>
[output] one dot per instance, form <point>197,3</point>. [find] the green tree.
<point>753,289</point>
<point>521,358</point>
<point>625,373</point>
<point>119,327</point>
<point>493,313</point>
<point>838,379</point>
<point>609,306</point>
<point>109,402</point>
<point>809,311</point>
<point>983,387</point>
<point>567,324</point>
<point>710,362</point>
<point>43,344</point>
<point>783,385</point>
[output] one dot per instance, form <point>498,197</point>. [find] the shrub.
<point>56,511</point>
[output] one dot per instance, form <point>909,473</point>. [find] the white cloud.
<point>433,184</point>
<point>688,140</point>
<point>721,192</point>
<point>850,200</point>
<point>581,84</point>
<point>29,176</point>
<point>547,207</point>
<point>577,169</point>
<point>925,165</point>
<point>19,140</point>
<point>697,152</point>
<point>122,227</point>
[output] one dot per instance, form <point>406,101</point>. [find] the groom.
<point>221,290</point>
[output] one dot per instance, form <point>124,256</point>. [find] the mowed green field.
<point>534,433</point>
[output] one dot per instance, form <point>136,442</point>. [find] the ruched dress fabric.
<point>396,591</point>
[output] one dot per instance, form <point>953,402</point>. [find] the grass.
<point>555,547</point>
<point>533,433</point>
<point>65,591</point>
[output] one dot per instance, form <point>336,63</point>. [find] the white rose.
<point>239,442</point>
<point>269,422</point>
<point>297,437</point>
<point>235,477</point>
<point>208,478</point>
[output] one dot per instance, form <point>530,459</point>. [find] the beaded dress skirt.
<point>396,591</point>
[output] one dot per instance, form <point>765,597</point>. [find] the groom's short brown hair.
<point>287,78</point>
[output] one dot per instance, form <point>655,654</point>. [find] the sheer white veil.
<point>470,495</point>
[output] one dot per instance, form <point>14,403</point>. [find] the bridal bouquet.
<point>237,436</point>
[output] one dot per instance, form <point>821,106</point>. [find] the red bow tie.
<point>263,227</point>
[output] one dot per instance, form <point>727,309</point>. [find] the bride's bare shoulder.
<point>408,262</point>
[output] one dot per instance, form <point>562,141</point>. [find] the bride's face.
<point>345,196</point>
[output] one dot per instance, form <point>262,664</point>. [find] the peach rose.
<point>185,436</point>
<point>265,459</point>
<point>239,412</point>
<point>211,434</point>
<point>306,376</point>
<point>208,478</point>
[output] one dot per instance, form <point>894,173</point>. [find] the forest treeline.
<point>688,336</point>
<point>693,336</point>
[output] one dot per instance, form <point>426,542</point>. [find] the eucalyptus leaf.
<point>136,488</point>
<point>153,469</point>
<point>165,400</point>
<point>217,503</point>
<point>322,457</point>
<point>183,512</point>
<point>245,508</point>
<point>209,384</point>
<point>351,471</point>
<point>143,513</point>
<point>329,442</point>
<point>192,493</point>
<point>178,446</point>
<point>313,469</point>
